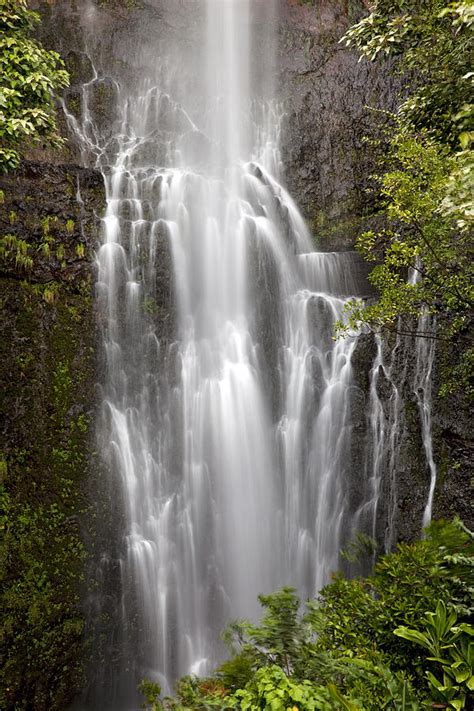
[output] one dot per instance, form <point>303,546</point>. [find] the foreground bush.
<point>399,639</point>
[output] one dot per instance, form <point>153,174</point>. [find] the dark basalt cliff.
<point>333,105</point>
<point>453,440</point>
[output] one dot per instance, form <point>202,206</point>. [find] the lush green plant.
<point>191,693</point>
<point>15,251</point>
<point>432,40</point>
<point>452,653</point>
<point>151,693</point>
<point>279,637</point>
<point>21,257</point>
<point>29,76</point>
<point>425,185</point>
<point>340,652</point>
<point>271,688</point>
<point>360,614</point>
<point>420,238</point>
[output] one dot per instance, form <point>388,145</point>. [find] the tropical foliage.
<point>432,41</point>
<point>29,76</point>
<point>452,651</point>
<point>423,251</point>
<point>398,639</point>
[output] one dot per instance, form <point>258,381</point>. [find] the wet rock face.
<point>48,232</point>
<point>55,210</point>
<point>326,92</point>
<point>324,89</point>
<point>453,441</point>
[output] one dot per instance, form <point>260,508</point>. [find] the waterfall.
<point>399,376</point>
<point>422,387</point>
<point>386,430</point>
<point>226,402</point>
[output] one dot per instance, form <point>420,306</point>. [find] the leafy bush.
<point>452,653</point>
<point>431,41</point>
<point>425,180</point>
<point>352,647</point>
<point>29,76</point>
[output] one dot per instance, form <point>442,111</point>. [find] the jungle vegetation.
<point>422,255</point>
<point>399,639</point>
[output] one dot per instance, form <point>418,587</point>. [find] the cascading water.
<point>425,354</point>
<point>396,379</point>
<point>422,385</point>
<point>386,429</point>
<point>227,420</point>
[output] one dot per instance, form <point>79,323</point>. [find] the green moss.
<point>149,306</point>
<point>74,105</point>
<point>62,382</point>
<point>15,253</point>
<point>70,186</point>
<point>330,230</point>
<point>46,223</point>
<point>24,361</point>
<point>48,380</point>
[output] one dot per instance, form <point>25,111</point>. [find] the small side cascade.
<point>425,354</point>
<point>386,424</point>
<point>398,375</point>
<point>423,379</point>
<point>425,345</point>
<point>341,273</point>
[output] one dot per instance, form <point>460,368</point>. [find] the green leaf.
<point>337,696</point>
<point>413,636</point>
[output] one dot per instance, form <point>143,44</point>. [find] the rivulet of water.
<point>399,376</point>
<point>422,387</point>
<point>386,420</point>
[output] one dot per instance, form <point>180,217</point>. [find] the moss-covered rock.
<point>47,374</point>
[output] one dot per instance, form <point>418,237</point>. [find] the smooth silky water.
<point>226,422</point>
